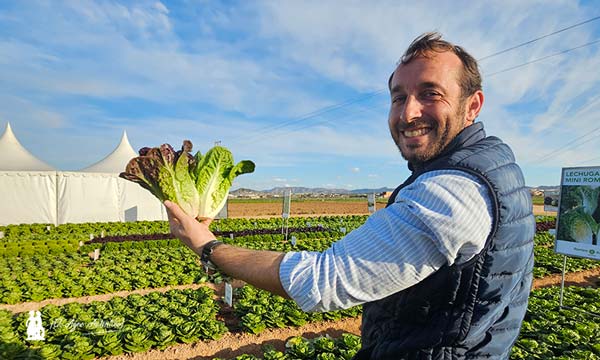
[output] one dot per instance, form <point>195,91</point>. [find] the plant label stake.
<point>96,254</point>
<point>80,243</point>
<point>228,294</point>
<point>1,234</point>
<point>91,236</point>
<point>343,230</point>
<point>371,203</point>
<point>48,228</point>
<point>102,234</point>
<point>293,241</point>
<point>231,236</point>
<point>285,214</point>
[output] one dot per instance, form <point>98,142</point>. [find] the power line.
<point>567,145</point>
<point>260,133</point>
<point>489,75</point>
<point>539,38</point>
<point>588,161</point>
<point>543,58</point>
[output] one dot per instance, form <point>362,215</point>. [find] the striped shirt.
<point>443,217</point>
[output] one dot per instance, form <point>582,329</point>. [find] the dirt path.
<point>234,344</point>
<point>22,307</point>
<point>581,278</point>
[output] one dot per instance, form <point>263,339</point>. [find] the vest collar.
<point>469,135</point>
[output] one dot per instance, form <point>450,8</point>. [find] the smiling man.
<point>445,270</point>
<point>430,104</point>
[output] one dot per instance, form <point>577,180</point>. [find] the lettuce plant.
<point>198,184</point>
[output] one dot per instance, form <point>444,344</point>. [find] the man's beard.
<point>418,158</point>
<point>436,148</point>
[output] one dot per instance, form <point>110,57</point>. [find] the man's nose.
<point>411,110</point>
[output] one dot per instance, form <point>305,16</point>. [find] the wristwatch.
<point>207,251</point>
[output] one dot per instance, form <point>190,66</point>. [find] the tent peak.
<point>14,157</point>
<point>116,161</point>
<point>9,134</point>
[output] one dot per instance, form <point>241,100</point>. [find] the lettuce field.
<point>131,291</point>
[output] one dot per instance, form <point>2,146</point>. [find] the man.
<point>445,270</point>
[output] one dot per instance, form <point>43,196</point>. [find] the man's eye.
<point>398,99</point>
<point>431,94</point>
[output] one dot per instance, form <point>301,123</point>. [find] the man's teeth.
<point>417,132</point>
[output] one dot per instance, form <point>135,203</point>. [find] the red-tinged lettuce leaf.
<point>198,184</point>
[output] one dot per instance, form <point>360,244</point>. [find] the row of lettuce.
<point>137,323</point>
<point>29,239</point>
<point>134,265</point>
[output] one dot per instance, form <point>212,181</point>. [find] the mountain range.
<point>279,191</point>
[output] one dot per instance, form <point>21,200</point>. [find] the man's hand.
<point>191,232</point>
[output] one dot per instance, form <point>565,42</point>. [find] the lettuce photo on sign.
<point>578,221</point>
<point>198,184</point>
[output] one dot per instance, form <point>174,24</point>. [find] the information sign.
<point>579,213</point>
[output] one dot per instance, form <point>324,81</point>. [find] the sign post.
<point>285,213</point>
<point>371,203</point>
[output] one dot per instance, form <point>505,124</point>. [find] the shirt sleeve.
<point>441,218</point>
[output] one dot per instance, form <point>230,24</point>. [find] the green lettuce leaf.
<point>198,184</point>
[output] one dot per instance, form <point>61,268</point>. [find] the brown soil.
<point>317,208</point>
<point>581,278</point>
<point>539,210</point>
<point>301,208</point>
<point>234,344</point>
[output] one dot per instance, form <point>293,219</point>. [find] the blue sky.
<point>299,87</point>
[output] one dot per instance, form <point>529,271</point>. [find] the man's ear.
<point>474,105</point>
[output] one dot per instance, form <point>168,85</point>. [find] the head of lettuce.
<point>198,184</point>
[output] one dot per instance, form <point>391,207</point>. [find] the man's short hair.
<point>425,44</point>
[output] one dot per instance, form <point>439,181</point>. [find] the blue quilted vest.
<point>473,310</point>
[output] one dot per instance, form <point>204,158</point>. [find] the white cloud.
<point>246,74</point>
<point>355,170</point>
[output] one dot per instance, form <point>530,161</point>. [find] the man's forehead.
<point>435,68</point>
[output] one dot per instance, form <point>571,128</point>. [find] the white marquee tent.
<point>33,192</point>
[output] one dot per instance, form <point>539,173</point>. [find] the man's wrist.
<point>207,250</point>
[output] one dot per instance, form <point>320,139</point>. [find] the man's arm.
<point>259,268</point>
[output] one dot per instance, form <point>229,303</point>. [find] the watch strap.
<point>207,251</point>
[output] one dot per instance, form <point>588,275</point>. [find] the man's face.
<point>427,111</point>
